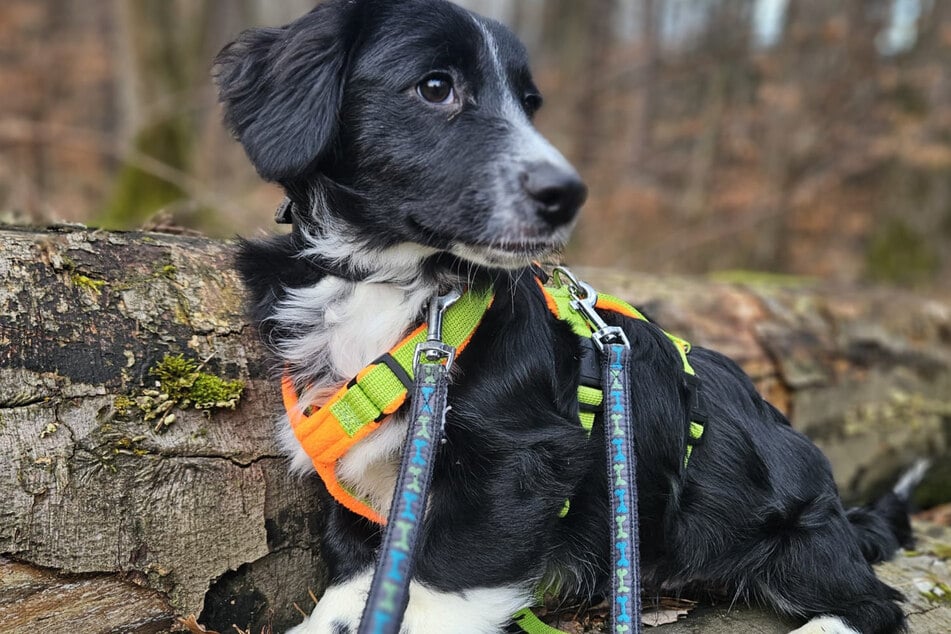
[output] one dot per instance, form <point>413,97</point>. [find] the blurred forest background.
<point>805,137</point>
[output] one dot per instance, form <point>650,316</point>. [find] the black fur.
<point>326,106</point>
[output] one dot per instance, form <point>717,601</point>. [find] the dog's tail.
<point>884,526</point>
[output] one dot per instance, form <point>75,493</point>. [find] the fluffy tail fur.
<point>883,526</point>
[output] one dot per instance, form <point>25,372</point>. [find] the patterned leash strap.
<point>622,483</point>
<point>615,351</point>
<point>389,592</point>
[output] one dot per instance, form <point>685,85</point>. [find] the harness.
<point>379,390</point>
<point>327,433</point>
<point>590,395</point>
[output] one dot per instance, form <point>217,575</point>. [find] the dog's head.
<point>410,121</point>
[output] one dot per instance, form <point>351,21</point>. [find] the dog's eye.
<point>532,102</point>
<point>437,88</point>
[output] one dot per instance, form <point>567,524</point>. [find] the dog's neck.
<point>334,247</point>
<point>366,297</point>
<point>362,304</point>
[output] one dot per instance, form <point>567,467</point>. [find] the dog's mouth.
<point>507,255</point>
<point>502,253</point>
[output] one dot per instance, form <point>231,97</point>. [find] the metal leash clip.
<point>583,299</point>
<point>434,349</point>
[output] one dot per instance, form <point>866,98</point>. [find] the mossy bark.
<point>110,525</point>
<point>136,525</point>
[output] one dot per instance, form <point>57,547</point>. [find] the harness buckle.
<point>584,299</point>
<point>434,349</point>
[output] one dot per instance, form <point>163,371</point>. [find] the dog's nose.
<point>559,191</point>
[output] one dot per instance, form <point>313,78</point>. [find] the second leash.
<point>621,460</point>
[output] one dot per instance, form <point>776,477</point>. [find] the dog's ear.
<point>281,89</point>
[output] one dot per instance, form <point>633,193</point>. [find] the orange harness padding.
<point>359,408</point>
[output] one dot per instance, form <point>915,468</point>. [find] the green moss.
<point>899,254</point>
<point>180,383</point>
<point>183,384</point>
<point>169,271</point>
<point>175,374</point>
<point>209,391</point>
<point>940,592</point>
<point>123,405</point>
<point>88,284</point>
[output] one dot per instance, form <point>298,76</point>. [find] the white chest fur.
<point>342,327</point>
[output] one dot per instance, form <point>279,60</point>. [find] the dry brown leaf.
<point>193,626</point>
<point>662,617</point>
<point>667,610</point>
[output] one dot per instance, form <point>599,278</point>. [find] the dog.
<point>402,134</point>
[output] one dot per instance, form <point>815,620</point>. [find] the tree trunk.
<point>111,526</point>
<point>128,526</point>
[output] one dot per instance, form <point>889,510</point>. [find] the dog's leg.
<point>811,566</point>
<point>339,609</point>
<point>825,625</point>
<point>476,611</point>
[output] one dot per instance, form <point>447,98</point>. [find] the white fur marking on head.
<point>528,145</point>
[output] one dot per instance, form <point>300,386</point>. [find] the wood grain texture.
<point>192,513</point>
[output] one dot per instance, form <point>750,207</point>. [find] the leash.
<point>389,592</point>
<point>621,465</point>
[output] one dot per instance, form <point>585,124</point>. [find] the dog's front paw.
<point>336,628</point>
<point>476,611</point>
<point>339,610</point>
<point>825,625</point>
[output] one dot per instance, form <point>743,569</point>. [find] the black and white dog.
<point>402,131</point>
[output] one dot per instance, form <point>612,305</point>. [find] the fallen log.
<point>141,481</point>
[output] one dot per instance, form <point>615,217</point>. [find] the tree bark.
<point>200,519</point>
<point>110,526</point>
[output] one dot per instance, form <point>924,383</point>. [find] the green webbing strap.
<point>589,398</point>
<point>530,623</point>
<point>589,403</point>
<point>567,313</point>
<point>459,322</point>
<point>382,386</point>
<point>696,433</point>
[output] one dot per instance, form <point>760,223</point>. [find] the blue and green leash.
<point>389,591</point>
<point>615,351</point>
